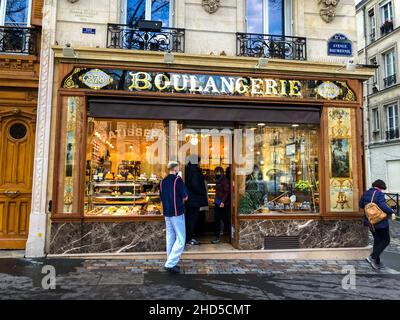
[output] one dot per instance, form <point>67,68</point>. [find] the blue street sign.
<point>89,30</point>
<point>340,45</point>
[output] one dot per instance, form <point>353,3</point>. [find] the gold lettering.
<point>295,88</point>
<point>211,85</point>
<point>283,88</point>
<point>159,79</point>
<point>240,87</point>
<point>140,81</point>
<point>256,86</point>
<point>271,87</point>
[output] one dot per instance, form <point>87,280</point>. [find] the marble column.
<point>35,246</point>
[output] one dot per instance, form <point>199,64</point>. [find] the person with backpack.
<point>173,194</point>
<point>376,218</point>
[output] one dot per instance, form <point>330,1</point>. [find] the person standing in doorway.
<point>380,231</point>
<point>221,202</point>
<point>173,194</point>
<point>195,183</point>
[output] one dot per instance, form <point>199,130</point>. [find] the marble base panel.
<point>311,233</point>
<point>107,237</point>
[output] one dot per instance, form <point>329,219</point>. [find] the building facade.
<point>251,86</point>
<point>379,35</point>
<point>20,34</point>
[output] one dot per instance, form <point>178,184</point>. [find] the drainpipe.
<point>366,110</point>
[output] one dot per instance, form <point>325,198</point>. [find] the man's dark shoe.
<point>215,241</point>
<point>174,269</point>
<point>193,242</point>
<point>372,262</point>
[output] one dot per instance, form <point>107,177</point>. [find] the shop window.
<point>156,10</point>
<point>125,162</point>
<point>284,176</point>
<point>268,16</point>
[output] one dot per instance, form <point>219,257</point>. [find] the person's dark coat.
<point>379,199</point>
<point>195,184</point>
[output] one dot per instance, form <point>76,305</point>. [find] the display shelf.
<point>118,197</point>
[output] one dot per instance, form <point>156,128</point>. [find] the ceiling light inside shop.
<point>295,125</point>
<point>261,124</point>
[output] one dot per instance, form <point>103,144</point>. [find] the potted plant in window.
<point>387,27</point>
<point>302,190</point>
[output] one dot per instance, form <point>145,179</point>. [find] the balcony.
<point>120,36</point>
<point>389,81</point>
<point>392,134</point>
<point>271,46</point>
<point>18,40</point>
<point>386,28</point>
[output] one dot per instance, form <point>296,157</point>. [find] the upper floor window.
<point>372,25</point>
<point>390,68</point>
<point>156,10</point>
<point>386,17</point>
<point>268,16</point>
<point>375,118</point>
<point>392,115</point>
<point>15,13</point>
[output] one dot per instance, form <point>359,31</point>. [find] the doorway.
<point>17,138</point>
<point>209,146</point>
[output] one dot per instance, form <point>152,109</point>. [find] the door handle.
<point>11,194</point>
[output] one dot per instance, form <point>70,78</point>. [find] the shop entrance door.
<point>16,161</point>
<point>212,145</point>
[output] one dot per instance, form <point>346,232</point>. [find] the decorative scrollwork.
<point>69,83</point>
<point>271,46</point>
<point>327,11</point>
<point>124,37</point>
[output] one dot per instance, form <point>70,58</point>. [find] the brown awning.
<point>206,111</point>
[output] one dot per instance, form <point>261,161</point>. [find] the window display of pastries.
<point>109,176</point>
<point>130,177</point>
<point>153,177</point>
<point>142,177</point>
<point>119,177</point>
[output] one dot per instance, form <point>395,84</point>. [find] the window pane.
<point>275,17</point>
<point>254,12</point>
<point>17,13</point>
<point>135,11</point>
<point>160,11</point>
<point>124,166</point>
<point>285,171</point>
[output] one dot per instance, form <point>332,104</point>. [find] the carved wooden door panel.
<point>17,139</point>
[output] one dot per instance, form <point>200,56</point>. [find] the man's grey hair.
<point>172,165</point>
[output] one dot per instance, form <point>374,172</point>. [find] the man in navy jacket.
<point>380,231</point>
<point>173,194</point>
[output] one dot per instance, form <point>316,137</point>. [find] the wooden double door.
<point>17,139</point>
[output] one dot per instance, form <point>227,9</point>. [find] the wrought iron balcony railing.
<point>271,46</point>
<point>392,134</point>
<point>389,81</point>
<point>18,40</point>
<point>122,36</point>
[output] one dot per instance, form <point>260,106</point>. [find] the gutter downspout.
<point>366,109</point>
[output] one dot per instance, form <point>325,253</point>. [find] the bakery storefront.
<point>291,143</point>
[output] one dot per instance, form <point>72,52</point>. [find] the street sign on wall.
<point>340,45</point>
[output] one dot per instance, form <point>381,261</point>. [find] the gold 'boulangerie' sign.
<point>206,84</point>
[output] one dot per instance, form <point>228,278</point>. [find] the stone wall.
<point>107,237</point>
<point>311,233</point>
<point>207,33</point>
